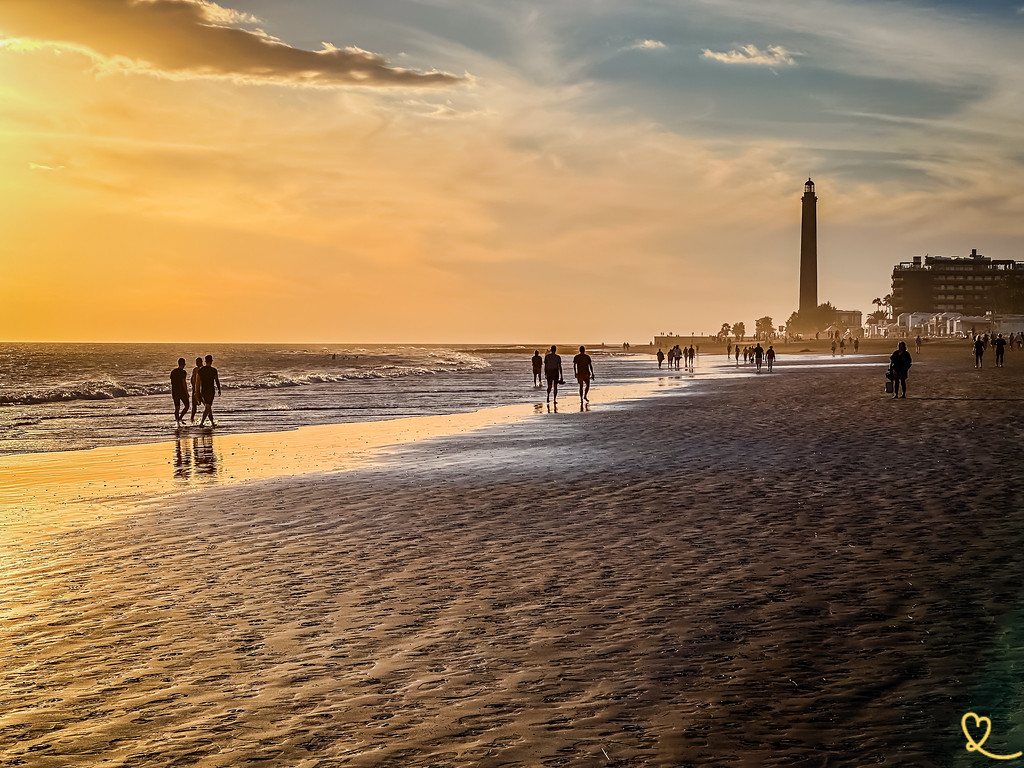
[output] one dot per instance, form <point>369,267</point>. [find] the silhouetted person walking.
<point>769,357</point>
<point>583,370</point>
<point>179,390</point>
<point>979,351</point>
<point>553,371</point>
<point>195,387</point>
<point>538,367</point>
<point>208,379</point>
<point>917,343</point>
<point>661,357</point>
<point>899,364</point>
<point>1000,344</point>
<point>758,356</point>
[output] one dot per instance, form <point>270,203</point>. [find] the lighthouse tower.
<point>808,250</point>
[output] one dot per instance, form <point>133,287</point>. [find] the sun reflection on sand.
<point>44,490</point>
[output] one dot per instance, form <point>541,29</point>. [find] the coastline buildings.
<point>969,285</point>
<point>956,296</point>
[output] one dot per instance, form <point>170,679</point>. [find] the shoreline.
<point>47,487</point>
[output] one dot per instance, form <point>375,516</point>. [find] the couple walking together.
<point>582,369</point>
<point>204,382</point>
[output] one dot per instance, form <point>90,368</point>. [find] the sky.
<point>489,171</point>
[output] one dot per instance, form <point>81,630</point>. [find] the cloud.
<point>646,45</point>
<point>774,56</point>
<point>195,38</point>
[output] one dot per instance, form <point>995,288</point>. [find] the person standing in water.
<point>661,357</point>
<point>538,366</point>
<point>179,391</point>
<point>553,371</point>
<point>195,387</point>
<point>583,370</point>
<point>208,379</point>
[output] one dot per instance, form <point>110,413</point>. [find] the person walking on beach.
<point>842,347</point>
<point>553,371</point>
<point>758,356</point>
<point>179,391</point>
<point>737,354</point>
<point>979,351</point>
<point>1000,344</point>
<point>660,356</point>
<point>899,364</point>
<point>208,379</point>
<point>856,344</point>
<point>769,357</point>
<point>693,354</point>
<point>917,343</point>
<point>833,347</point>
<point>583,370</point>
<point>195,387</point>
<point>538,366</point>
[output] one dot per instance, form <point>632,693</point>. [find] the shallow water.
<point>56,397</point>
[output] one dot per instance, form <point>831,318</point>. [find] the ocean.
<point>61,397</point>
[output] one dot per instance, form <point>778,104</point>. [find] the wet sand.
<point>783,570</point>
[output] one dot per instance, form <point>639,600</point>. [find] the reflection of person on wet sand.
<point>182,459</point>
<point>207,380</point>
<point>203,457</point>
<point>195,387</point>
<point>583,370</point>
<point>553,371</point>
<point>179,391</point>
<point>538,366</point>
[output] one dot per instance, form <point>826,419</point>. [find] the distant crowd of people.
<point>551,366</point>
<point>678,356</point>
<point>205,383</point>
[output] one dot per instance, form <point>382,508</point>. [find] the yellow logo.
<point>975,746</point>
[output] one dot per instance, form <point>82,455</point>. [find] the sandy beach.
<point>776,570</point>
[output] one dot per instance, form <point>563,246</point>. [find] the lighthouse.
<point>808,251</point>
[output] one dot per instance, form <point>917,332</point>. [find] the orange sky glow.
<point>176,170</point>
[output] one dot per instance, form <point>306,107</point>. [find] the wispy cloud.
<point>773,56</point>
<point>646,45</point>
<point>194,38</point>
